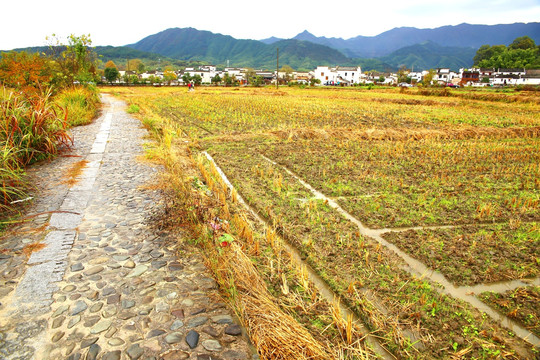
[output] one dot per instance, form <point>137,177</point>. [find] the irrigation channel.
<point>326,292</point>
<point>414,267</point>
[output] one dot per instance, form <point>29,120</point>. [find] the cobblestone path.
<point>86,278</point>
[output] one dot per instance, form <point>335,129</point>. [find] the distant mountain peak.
<point>271,40</point>
<point>305,35</point>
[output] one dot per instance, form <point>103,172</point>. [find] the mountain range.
<point>447,46</point>
<point>193,44</point>
<point>463,35</point>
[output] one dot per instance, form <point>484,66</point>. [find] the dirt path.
<point>87,278</point>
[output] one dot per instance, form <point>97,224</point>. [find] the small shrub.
<point>133,109</point>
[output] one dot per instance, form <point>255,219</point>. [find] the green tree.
<point>486,52</point>
<point>513,58</point>
<point>111,74</point>
<point>428,78</point>
<point>186,78</point>
<point>197,79</point>
<point>252,78</point>
<point>314,81</point>
<point>522,43</point>
<point>257,81</point>
<point>403,75</point>
<point>216,79</point>
<point>152,79</point>
<point>227,79</point>
<point>76,61</point>
<point>133,79</point>
<point>250,75</point>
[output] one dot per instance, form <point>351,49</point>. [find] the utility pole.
<point>127,71</point>
<point>277,68</point>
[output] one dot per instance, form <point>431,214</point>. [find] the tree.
<point>216,79</point>
<point>26,72</point>
<point>135,65</point>
<point>522,43</point>
<point>152,79</point>
<point>250,75</point>
<point>111,74</point>
<point>314,81</point>
<point>133,79</point>
<point>227,79</point>
<point>76,61</point>
<point>486,52</point>
<point>257,81</point>
<point>197,79</point>
<point>252,78</point>
<point>403,74</point>
<point>110,64</point>
<point>186,78</point>
<point>428,78</point>
<point>288,73</point>
<point>169,76</point>
<point>521,53</point>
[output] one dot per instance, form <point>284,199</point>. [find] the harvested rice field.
<point>356,223</point>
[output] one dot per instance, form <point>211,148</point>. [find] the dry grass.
<point>399,134</point>
<point>275,334</point>
<point>71,175</point>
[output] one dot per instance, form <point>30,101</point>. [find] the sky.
<point>27,23</point>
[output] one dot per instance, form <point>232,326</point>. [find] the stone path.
<point>86,277</point>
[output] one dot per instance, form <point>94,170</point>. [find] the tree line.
<point>522,53</point>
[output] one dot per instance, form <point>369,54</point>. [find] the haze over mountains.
<point>447,46</point>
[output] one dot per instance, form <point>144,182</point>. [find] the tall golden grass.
<point>35,127</point>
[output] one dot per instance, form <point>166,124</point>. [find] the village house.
<point>341,75</point>
<point>531,77</point>
<point>267,76</point>
<point>302,77</point>
<point>499,77</point>
<point>417,76</point>
<point>445,76</point>
<point>349,75</point>
<point>148,74</point>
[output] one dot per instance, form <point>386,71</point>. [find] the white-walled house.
<point>340,75</point>
<point>205,75</point>
<point>444,76</point>
<point>350,74</point>
<point>325,75</point>
<point>500,77</point>
<point>206,72</point>
<point>531,77</point>
<point>148,74</point>
<point>417,76</point>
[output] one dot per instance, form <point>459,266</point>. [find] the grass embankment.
<point>34,127</point>
<point>391,159</point>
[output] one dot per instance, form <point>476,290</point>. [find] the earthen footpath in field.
<point>86,276</point>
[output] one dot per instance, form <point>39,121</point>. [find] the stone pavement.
<point>86,277</point>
